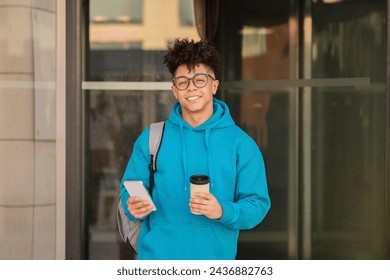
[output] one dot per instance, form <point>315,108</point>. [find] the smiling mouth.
<point>191,98</point>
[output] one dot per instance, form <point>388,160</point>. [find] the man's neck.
<point>194,119</point>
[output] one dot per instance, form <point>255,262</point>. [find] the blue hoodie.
<point>232,160</point>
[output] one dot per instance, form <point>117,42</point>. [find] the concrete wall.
<point>31,130</point>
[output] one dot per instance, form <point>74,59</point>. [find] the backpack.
<point>129,230</point>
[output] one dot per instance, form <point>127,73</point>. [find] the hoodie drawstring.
<point>207,139</point>
<point>221,118</point>
<point>183,156</point>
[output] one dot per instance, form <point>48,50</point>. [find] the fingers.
<point>201,203</point>
<point>138,207</point>
<point>207,196</point>
<point>206,204</point>
<point>197,208</point>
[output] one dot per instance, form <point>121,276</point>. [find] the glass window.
<point>128,88</point>
<point>323,144</point>
<point>348,131</point>
<point>186,13</point>
<point>117,11</point>
<point>292,82</point>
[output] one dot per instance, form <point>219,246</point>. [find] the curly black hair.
<point>192,54</point>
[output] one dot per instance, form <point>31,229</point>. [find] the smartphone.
<point>137,188</point>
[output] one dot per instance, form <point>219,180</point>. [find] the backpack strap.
<point>155,139</point>
<point>129,230</point>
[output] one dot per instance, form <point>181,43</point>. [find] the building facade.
<point>307,79</point>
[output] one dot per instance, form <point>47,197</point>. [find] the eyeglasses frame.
<point>192,79</point>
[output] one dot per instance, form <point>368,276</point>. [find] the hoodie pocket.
<point>180,241</point>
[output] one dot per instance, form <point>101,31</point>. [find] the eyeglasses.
<point>199,80</point>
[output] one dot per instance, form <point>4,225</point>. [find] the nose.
<point>191,86</point>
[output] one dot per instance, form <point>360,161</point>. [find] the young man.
<point>200,137</point>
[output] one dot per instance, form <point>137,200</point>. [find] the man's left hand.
<point>206,204</point>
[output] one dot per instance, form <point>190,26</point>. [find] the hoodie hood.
<point>221,118</point>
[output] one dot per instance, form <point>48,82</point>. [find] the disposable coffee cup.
<point>199,183</point>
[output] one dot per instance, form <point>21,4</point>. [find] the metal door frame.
<point>75,245</point>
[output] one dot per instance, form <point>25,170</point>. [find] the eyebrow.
<point>195,75</point>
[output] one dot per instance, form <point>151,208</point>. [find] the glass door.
<point>307,80</point>
<point>259,43</point>
<point>126,87</point>
<point>347,131</point>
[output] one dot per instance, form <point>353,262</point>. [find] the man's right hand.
<point>139,208</point>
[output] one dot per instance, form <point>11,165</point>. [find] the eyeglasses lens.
<point>199,80</point>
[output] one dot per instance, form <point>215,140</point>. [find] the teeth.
<point>193,97</point>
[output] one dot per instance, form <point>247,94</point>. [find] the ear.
<point>215,86</point>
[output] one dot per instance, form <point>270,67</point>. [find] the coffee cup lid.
<point>199,179</point>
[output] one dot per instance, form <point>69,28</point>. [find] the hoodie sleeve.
<point>252,200</point>
<point>137,169</point>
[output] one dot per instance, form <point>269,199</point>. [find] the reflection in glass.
<point>186,13</point>
<point>126,43</point>
<point>348,132</point>
<point>258,41</point>
<point>344,158</point>
<point>115,122</point>
<point>265,116</point>
<point>119,11</point>
<point>256,44</point>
